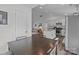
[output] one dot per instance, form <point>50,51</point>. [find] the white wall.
<point>19,21</point>
<point>73,32</point>
<point>23,22</point>
<point>7,32</point>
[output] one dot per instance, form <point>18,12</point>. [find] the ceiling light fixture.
<point>40,7</point>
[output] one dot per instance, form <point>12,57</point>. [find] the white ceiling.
<point>30,5</point>
<point>56,9</point>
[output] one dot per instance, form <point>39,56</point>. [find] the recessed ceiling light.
<point>40,7</point>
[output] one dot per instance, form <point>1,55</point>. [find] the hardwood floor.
<point>34,45</point>
<point>41,44</point>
